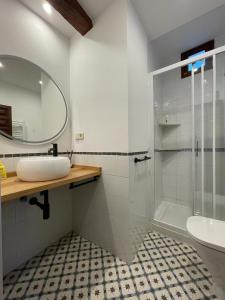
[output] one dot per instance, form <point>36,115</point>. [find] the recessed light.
<point>40,82</point>
<point>1,65</point>
<point>47,8</point>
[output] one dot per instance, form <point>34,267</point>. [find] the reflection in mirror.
<point>32,108</point>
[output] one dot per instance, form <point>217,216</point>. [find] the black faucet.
<point>53,150</point>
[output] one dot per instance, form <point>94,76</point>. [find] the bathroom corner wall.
<point>109,105</point>
<point>140,128</point>
<point>99,98</point>
<point>24,34</point>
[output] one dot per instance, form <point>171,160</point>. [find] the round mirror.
<point>32,108</point>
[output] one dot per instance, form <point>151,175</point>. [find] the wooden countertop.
<point>13,187</point>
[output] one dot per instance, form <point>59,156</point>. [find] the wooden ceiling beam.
<point>73,12</point>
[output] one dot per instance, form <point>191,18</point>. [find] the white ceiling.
<point>167,47</point>
<point>162,16</point>
<point>55,19</point>
<point>158,16</point>
<point>93,8</point>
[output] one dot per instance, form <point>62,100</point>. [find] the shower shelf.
<point>169,124</point>
<point>173,149</point>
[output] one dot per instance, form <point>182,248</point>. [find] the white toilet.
<point>208,237</point>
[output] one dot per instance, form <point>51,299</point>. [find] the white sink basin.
<point>42,168</point>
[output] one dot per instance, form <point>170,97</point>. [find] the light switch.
<point>79,136</point>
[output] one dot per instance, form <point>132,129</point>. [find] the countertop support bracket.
<point>45,207</point>
<point>74,185</point>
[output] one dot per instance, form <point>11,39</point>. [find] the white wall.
<point>109,94</point>
<point>26,107</point>
<point>141,194</point>
<point>99,96</point>
<point>53,108</point>
<point>138,83</point>
<point>25,233</point>
<point>24,34</point>
<point>99,83</point>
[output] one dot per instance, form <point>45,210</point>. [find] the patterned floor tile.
<point>193,291</point>
<point>181,275</point>
<point>82,279</point>
<point>143,256</point>
<point>178,293</point>
<point>149,267</point>
<point>161,265</point>
<point>127,287</point>
<point>136,269</point>
<point>65,295</point>
<point>111,274</point>
<point>51,285</point>
<point>41,273</point>
<point>35,288</point>
<point>172,262</point>
<point>96,277</point>
<point>147,296</point>
<point>27,275</point>
<point>18,290</point>
<point>142,284</point>
<point>123,272</point>
<point>67,282</point>
<point>12,277</point>
<point>162,295</point>
<point>194,272</point>
<point>206,287</point>
<point>51,296</point>
<point>156,281</point>
<point>76,269</point>
<point>169,278</point>
<point>97,293</point>
<point>112,290</point>
<point>56,270</point>
<point>81,293</point>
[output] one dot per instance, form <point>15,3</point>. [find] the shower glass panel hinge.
<point>197,213</point>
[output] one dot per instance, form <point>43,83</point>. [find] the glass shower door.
<point>173,173</point>
<point>190,142</point>
<point>220,138</point>
<point>202,141</point>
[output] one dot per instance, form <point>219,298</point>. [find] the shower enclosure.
<point>189,140</point>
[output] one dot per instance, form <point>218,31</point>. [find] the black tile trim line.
<point>112,153</point>
<point>12,155</point>
<point>189,150</point>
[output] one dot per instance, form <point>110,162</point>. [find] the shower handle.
<point>197,149</point>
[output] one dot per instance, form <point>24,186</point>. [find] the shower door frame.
<point>213,53</point>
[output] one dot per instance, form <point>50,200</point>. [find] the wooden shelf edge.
<point>13,188</point>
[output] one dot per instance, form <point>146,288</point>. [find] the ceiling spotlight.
<point>1,65</point>
<point>40,82</point>
<point>47,8</point>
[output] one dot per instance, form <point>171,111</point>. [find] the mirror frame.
<point>56,136</point>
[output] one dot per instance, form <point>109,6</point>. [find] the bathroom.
<point>130,125</point>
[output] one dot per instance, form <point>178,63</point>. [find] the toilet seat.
<point>208,232</point>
